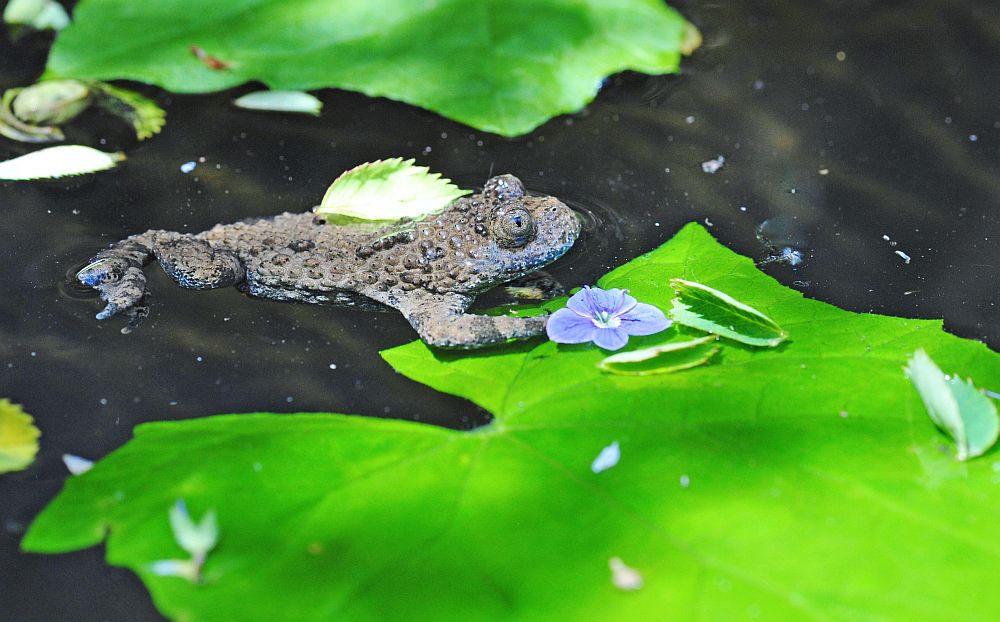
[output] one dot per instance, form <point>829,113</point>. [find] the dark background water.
<point>841,122</point>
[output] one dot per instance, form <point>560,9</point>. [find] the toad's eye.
<point>513,227</point>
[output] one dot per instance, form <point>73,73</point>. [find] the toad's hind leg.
<point>196,264</point>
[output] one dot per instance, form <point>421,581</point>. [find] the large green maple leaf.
<point>799,482</point>
<point>502,66</point>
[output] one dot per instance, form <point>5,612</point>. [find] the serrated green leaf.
<point>662,359</point>
<point>55,162</point>
<point>782,483</point>
<point>281,101</point>
<point>702,307</point>
<point>388,190</point>
<point>958,408</point>
<point>18,437</point>
<point>142,113</point>
<point>503,68</point>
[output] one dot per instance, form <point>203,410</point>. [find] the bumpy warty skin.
<point>429,269</point>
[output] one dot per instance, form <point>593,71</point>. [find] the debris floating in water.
<point>608,458</point>
<point>187,167</point>
<point>906,258</point>
<point>712,166</point>
<point>623,576</point>
<point>77,465</point>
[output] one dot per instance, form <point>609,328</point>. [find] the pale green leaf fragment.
<point>55,162</point>
<point>18,437</point>
<point>388,190</point>
<point>699,306</point>
<point>281,101</point>
<point>195,538</point>
<point>39,14</point>
<point>662,359</point>
<point>960,409</point>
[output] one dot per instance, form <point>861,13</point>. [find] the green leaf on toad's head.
<point>388,190</point>
<point>280,101</point>
<point>18,438</point>
<point>792,483</point>
<point>501,67</point>
<point>710,310</point>
<point>662,359</point>
<point>958,408</point>
<point>55,162</point>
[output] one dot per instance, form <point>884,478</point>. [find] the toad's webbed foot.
<point>442,322</point>
<point>117,274</point>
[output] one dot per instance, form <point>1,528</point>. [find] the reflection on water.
<point>841,122</point>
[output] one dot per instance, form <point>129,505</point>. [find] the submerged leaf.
<point>500,67</point>
<point>363,518</point>
<point>662,359</point>
<point>15,129</point>
<point>18,437</point>
<point>958,408</point>
<point>702,307</point>
<point>388,190</point>
<point>281,101</point>
<point>51,101</point>
<point>55,162</point>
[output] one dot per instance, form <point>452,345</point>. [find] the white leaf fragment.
<point>55,162</point>
<point>624,577</point>
<point>956,407</point>
<point>195,538</point>
<point>39,14</point>
<point>281,101</point>
<point>77,465</point>
<point>608,458</point>
<point>619,363</point>
<point>388,190</point>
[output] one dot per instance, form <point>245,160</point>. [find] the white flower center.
<point>606,319</point>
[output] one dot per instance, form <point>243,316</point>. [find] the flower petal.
<point>606,300</point>
<point>611,338</point>
<point>644,319</point>
<point>580,302</point>
<point>566,326</point>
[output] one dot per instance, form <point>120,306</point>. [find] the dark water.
<point>898,102</point>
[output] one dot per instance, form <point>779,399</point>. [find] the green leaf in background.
<point>957,407</point>
<point>710,310</point>
<point>662,359</point>
<point>501,67</point>
<point>280,101</point>
<point>387,190</point>
<point>790,483</point>
<point>18,437</point>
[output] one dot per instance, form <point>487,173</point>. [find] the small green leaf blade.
<point>18,437</point>
<point>386,190</point>
<point>958,408</point>
<point>662,359</point>
<point>56,162</point>
<point>702,307</point>
<point>142,113</point>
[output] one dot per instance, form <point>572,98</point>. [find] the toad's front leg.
<point>117,271</point>
<point>441,321</point>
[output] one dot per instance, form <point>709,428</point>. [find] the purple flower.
<point>606,317</point>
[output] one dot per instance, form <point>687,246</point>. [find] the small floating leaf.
<point>51,101</point>
<point>145,116</point>
<point>388,190</point>
<point>18,437</point>
<point>39,14</point>
<point>16,129</point>
<point>55,162</point>
<point>662,359</point>
<point>960,409</point>
<point>281,101</point>
<point>699,306</point>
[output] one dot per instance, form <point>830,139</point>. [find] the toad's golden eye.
<point>513,227</point>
